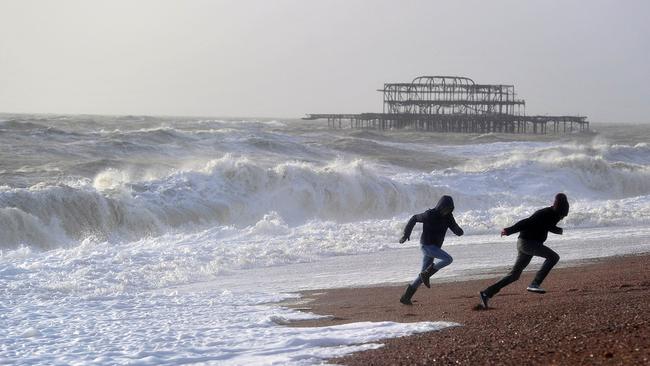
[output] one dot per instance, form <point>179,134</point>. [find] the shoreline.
<point>595,311</point>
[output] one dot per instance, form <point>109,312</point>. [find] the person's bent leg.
<point>444,260</point>
<point>522,261</point>
<point>551,259</point>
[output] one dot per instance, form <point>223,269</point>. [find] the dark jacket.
<point>435,224</point>
<point>536,227</point>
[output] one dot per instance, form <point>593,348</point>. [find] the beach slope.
<point>593,313</point>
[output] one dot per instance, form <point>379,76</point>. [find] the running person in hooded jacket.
<point>435,222</point>
<point>533,232</point>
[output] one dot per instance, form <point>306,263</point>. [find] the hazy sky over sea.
<point>285,58</point>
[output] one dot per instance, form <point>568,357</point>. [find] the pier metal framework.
<point>454,104</point>
<point>450,95</point>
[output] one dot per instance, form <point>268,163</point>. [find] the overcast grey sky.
<point>284,58</point>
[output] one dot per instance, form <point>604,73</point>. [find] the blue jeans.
<point>430,253</point>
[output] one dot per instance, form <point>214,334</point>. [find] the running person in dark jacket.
<point>532,234</point>
<point>435,222</point>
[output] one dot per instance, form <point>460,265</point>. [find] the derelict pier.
<point>454,104</point>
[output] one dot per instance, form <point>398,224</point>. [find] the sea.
<point>146,240</point>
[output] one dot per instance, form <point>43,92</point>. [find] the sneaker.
<point>535,288</point>
<point>484,299</point>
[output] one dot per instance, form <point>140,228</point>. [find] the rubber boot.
<point>426,275</point>
<point>408,294</point>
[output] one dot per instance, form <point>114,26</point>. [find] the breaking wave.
<point>227,191</point>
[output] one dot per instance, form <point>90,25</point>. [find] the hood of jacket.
<point>561,205</point>
<point>445,202</point>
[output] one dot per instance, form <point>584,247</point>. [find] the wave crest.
<point>228,191</point>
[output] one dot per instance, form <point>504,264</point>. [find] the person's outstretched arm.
<point>409,226</point>
<point>454,226</point>
<point>519,226</point>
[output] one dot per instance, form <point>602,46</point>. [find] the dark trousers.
<point>527,249</point>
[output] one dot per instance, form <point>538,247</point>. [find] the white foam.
<point>69,320</point>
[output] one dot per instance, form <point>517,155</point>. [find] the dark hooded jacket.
<point>435,224</point>
<point>537,226</point>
